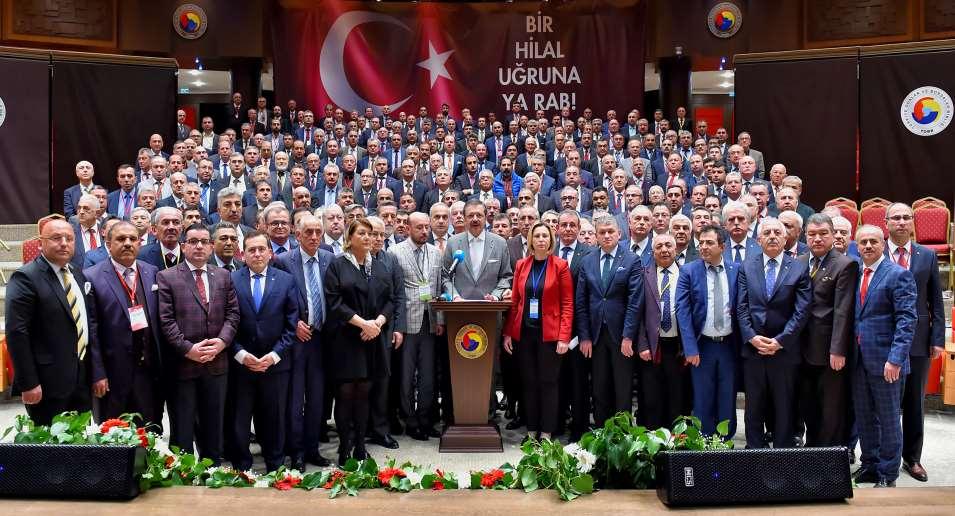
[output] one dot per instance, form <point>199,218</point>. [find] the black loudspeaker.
<point>722,477</point>
<point>70,471</point>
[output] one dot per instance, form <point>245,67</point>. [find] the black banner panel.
<point>24,139</point>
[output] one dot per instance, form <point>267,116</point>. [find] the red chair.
<point>842,201</point>
<point>928,201</point>
<point>875,201</point>
<point>932,223</point>
<point>31,248</point>
<point>852,214</point>
<point>874,214</point>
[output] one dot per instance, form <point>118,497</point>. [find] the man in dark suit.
<point>706,310</point>
<point>199,314</point>
<point>664,379</point>
<point>165,252</point>
<point>182,130</point>
<point>86,230</point>
<point>929,341</point>
<point>225,245</point>
<point>406,179</point>
<point>827,338</point>
<point>307,265</point>
<point>127,357</point>
<point>773,300</point>
<point>71,196</point>
<point>574,379</point>
<point>268,308</point>
<point>885,321</point>
<point>609,301</point>
<point>50,324</point>
<point>738,246</point>
<point>121,202</point>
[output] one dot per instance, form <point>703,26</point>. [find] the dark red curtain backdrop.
<point>803,114</point>
<point>353,54</point>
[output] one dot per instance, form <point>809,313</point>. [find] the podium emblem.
<point>471,341</point>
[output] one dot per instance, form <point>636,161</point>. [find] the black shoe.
<point>342,459</point>
<point>297,462</point>
<point>432,432</point>
<point>509,412</point>
<point>916,471</point>
<point>361,453</point>
<point>883,482</point>
<point>385,442</point>
<point>395,427</point>
<point>514,424</point>
<point>417,434</point>
<point>865,475</point>
<point>318,460</point>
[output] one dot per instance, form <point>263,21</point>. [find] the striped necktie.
<point>73,301</point>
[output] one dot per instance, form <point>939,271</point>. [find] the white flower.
<point>585,461</point>
<point>251,474</point>
<point>90,430</point>
<point>572,449</point>
<point>413,476</point>
<point>261,482</point>
<point>293,473</point>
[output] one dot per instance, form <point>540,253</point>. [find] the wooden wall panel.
<point>88,23</point>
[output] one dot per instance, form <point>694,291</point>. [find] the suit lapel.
<point>760,276</point>
<point>488,249</point>
<point>613,269</point>
<point>267,287</point>
<point>190,279</point>
<point>785,265</point>
<point>874,281</point>
<point>116,287</point>
<point>244,285</point>
<point>56,286</point>
<point>652,283</point>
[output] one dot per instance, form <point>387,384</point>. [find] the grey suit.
<point>494,275</point>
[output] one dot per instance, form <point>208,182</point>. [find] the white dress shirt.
<point>893,253</point>
<point>709,329</point>
<point>205,279</point>
<point>476,252</point>
<point>674,276</point>
<point>241,354</point>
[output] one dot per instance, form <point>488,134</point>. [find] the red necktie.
<point>670,181</point>
<point>902,261</point>
<point>201,287</point>
<point>866,275</point>
<point>92,233</point>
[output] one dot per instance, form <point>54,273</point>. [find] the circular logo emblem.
<point>927,110</point>
<point>471,341</point>
<point>724,19</point>
<point>3,112</point>
<point>190,21</point>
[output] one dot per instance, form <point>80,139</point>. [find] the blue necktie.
<point>738,257</point>
<point>257,291</point>
<point>202,197</point>
<point>564,253</point>
<point>665,321</point>
<point>605,272</point>
<point>770,277</point>
<point>317,303</point>
<point>280,250</point>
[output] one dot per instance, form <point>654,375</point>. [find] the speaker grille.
<point>70,471</point>
<point>753,476</point>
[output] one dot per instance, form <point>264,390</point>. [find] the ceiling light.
<point>198,83</point>
<point>723,84</point>
<point>194,72</point>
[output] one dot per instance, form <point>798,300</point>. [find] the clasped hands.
<point>371,329</point>
<point>765,345</point>
<point>205,350</point>
<point>257,365</point>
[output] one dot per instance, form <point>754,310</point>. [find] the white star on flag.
<point>435,64</point>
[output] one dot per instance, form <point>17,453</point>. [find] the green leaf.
<point>583,484</point>
<point>529,480</point>
<point>723,428</point>
<point>475,480</point>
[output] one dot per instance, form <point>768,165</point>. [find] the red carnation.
<point>287,483</point>
<point>170,460</point>
<point>438,485</point>
<point>384,476</point>
<point>336,476</point>
<point>491,477</point>
<point>111,423</point>
<point>143,439</point>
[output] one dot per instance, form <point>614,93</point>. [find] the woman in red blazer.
<point>539,326</point>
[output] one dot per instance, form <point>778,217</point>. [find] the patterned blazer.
<point>415,307</point>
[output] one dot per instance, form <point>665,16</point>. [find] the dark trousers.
<point>261,397</point>
<point>351,415</point>
<point>539,369</point>
<point>575,390</point>
<point>197,415</point>
<point>665,386</point>
<point>877,407</point>
<point>714,385</point>
<point>306,399</point>
<point>612,378</point>
<point>380,408</point>
<point>511,382</point>
<point>142,397</point>
<point>913,410</point>
<point>417,377</point>
<point>442,401</point>
<point>770,393</point>
<point>823,401</point>
<point>79,400</point>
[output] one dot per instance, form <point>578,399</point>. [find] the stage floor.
<point>236,501</point>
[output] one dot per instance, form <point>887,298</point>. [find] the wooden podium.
<point>472,331</point>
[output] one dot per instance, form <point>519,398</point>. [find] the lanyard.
<point>536,279</point>
<point>425,260</point>
<point>129,291</point>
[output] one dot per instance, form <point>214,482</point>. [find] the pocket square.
<point>493,261</point>
<point>155,288</point>
<point>620,268</point>
<point>87,287</point>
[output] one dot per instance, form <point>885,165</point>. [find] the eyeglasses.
<point>898,218</point>
<point>198,241</point>
<point>278,224</point>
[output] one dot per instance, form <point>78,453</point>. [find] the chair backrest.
<point>842,201</point>
<point>931,224</point>
<point>928,201</point>
<point>851,213</point>
<point>874,214</point>
<point>875,201</point>
<point>31,249</point>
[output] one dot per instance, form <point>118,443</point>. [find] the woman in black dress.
<point>358,293</point>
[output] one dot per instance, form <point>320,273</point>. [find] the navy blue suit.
<point>152,254</point>
<point>605,316</point>
<point>884,327</point>
<point>71,198</point>
<point>95,256</point>
<point>418,192</point>
<point>781,315</point>
<point>114,202</point>
<point>714,380</point>
<point>307,386</point>
<point>262,395</point>
<point>131,361</point>
<point>751,249</point>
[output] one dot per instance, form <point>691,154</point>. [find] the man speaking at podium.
<point>476,263</point>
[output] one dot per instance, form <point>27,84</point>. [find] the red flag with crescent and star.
<point>482,56</point>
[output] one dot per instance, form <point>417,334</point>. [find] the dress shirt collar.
<point>164,250</point>
<point>479,238</point>
<point>264,273</point>
<point>305,256</point>
<point>612,253</point>
<point>874,266</point>
<point>673,268</point>
<point>779,259</point>
<point>894,248</point>
<point>193,268</point>
<point>121,269</point>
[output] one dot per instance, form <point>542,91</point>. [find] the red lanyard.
<point>129,291</point>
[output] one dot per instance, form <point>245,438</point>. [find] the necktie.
<point>770,277</point>
<point>316,307</point>
<point>257,291</point>
<point>201,287</point>
<point>666,322</point>
<point>417,259</point>
<point>815,268</point>
<point>229,267</point>
<point>718,296</point>
<point>381,183</point>
<point>129,276</point>
<point>395,164</point>
<point>866,276</point>
<point>635,248</point>
<point>738,257</point>
<point>605,272</point>
<point>440,242</point>
<point>280,250</point>
<point>746,186</point>
<point>235,182</point>
<point>564,253</point>
<point>337,247</point>
<point>170,259</point>
<point>619,201</point>
<point>902,261</point>
<point>127,204</point>
<point>408,188</point>
<point>203,196</point>
<point>92,233</point>
<point>72,300</point>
